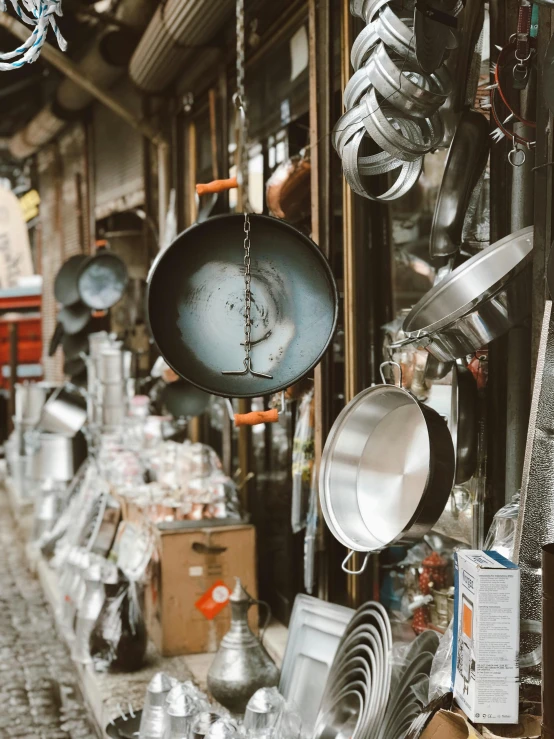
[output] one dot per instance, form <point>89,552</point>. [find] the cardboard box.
<point>188,562</point>
<point>448,725</point>
<point>485,653</point>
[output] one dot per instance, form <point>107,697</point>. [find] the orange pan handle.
<point>256,417</point>
<point>217,186</point>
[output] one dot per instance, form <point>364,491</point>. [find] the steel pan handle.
<point>348,558</point>
<point>390,363</point>
<point>217,186</point>
<point>422,341</point>
<point>256,417</point>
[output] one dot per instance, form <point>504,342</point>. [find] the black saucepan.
<point>72,319</point>
<point>196,305</point>
<point>65,283</point>
<point>183,400</point>
<point>102,280</point>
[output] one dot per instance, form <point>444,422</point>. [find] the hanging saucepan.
<point>65,282</point>
<point>196,305</point>
<point>466,162</point>
<point>183,400</point>
<point>72,319</point>
<point>478,302</point>
<point>386,471</point>
<point>74,345</point>
<point>464,421</point>
<point>102,280</point>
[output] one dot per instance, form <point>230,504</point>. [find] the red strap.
<point>523,31</point>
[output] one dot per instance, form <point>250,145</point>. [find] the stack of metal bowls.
<point>409,686</point>
<point>369,693</point>
<point>355,699</point>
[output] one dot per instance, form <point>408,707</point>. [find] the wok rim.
<point>320,256</point>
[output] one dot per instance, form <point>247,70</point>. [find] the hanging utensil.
<point>65,282</point>
<point>466,161</point>
<point>386,471</point>
<point>434,26</point>
<point>183,400</point>
<point>72,319</point>
<point>478,302</point>
<point>463,422</point>
<point>246,342</point>
<point>102,280</point>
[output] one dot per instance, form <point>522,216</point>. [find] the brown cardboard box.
<point>448,725</point>
<point>189,561</point>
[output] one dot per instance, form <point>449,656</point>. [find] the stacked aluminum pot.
<point>109,383</point>
<point>391,103</point>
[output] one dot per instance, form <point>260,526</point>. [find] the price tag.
<point>214,600</point>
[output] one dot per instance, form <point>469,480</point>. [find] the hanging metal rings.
<point>390,103</point>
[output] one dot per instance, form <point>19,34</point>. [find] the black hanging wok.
<point>183,400</point>
<point>196,305</point>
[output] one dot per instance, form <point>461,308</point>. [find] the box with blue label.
<point>485,653</point>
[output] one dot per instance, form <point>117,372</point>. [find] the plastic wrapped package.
<point>223,728</point>
<point>268,715</point>
<point>302,461</point>
<point>118,640</point>
<point>440,677</point>
<point>152,722</point>
<point>503,528</point>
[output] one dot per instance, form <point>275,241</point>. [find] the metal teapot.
<point>241,665</point>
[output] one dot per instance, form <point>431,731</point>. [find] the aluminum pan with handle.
<point>479,301</point>
<point>386,471</point>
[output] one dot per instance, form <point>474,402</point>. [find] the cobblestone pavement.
<point>39,694</point>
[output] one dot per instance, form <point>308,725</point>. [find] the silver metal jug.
<point>241,665</point>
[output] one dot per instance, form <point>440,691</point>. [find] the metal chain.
<point>242,172</point>
<point>247,311</point>
<point>239,98</point>
<point>247,294</point>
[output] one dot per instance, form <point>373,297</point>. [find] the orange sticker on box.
<point>214,600</point>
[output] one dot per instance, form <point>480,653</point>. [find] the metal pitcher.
<point>241,665</point>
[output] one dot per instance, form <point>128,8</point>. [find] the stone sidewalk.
<point>39,693</point>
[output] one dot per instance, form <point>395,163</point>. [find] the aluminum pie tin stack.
<point>355,698</point>
<point>390,101</point>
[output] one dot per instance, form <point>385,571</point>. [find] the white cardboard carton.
<point>485,653</point>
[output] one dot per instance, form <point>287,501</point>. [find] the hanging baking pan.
<point>65,282</point>
<point>102,280</point>
<point>386,471</point>
<point>478,302</point>
<point>242,306</point>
